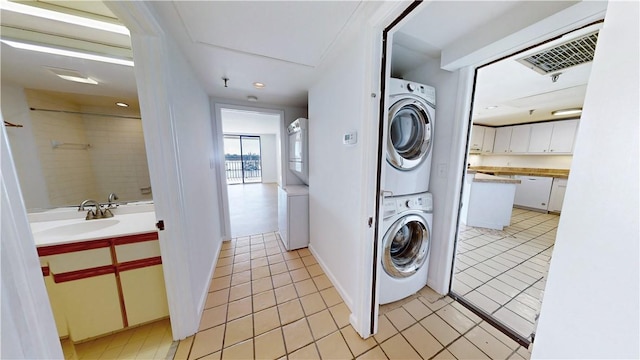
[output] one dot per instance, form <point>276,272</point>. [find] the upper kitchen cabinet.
<point>553,137</point>
<point>482,138</point>
<point>512,139</point>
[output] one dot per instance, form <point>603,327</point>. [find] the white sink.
<point>78,228</point>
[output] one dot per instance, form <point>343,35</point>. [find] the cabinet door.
<point>487,142</point>
<point>145,296</point>
<point>502,140</point>
<point>563,136</point>
<point>520,139</point>
<point>558,190</point>
<point>477,134</point>
<point>540,138</point>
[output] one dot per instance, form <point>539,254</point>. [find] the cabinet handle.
<point>551,150</point>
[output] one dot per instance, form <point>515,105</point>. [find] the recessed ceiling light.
<point>252,98</point>
<point>258,85</point>
<point>65,52</point>
<point>63,17</point>
<point>121,104</point>
<point>573,111</point>
<point>491,107</point>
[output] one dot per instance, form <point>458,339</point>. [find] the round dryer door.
<point>405,246</point>
<point>409,140</point>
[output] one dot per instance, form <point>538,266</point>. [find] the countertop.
<point>479,177</point>
<point>56,232</point>
<point>497,170</point>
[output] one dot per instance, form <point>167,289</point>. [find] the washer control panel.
<point>397,204</point>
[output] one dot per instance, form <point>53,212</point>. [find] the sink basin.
<point>78,228</point>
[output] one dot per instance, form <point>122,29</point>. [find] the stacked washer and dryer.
<point>407,205</point>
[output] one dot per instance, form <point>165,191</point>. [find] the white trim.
<point>28,327</point>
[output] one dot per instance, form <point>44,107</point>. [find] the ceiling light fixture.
<point>83,80</point>
<point>252,98</point>
<point>64,52</point>
<point>562,112</point>
<point>121,104</point>
<point>63,17</point>
<point>491,107</point>
<point>258,85</point>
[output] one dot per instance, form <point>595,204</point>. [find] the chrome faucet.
<point>110,201</point>
<point>99,213</point>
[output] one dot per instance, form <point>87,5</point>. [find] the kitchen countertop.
<point>497,170</point>
<point>479,177</point>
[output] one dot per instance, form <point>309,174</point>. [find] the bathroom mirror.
<point>73,147</point>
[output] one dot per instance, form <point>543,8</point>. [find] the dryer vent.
<point>571,53</point>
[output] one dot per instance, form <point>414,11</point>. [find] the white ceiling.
<point>281,44</point>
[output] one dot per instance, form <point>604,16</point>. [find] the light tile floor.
<point>253,208</point>
<point>150,341</point>
<point>269,303</point>
<point>504,272</point>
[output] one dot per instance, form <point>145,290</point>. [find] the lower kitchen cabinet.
<point>91,306</point>
<point>533,192</point>
<point>558,190</point>
<point>144,294</point>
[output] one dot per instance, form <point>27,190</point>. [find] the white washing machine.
<point>410,137</point>
<point>404,248</point>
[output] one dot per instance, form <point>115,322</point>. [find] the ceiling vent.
<point>571,53</point>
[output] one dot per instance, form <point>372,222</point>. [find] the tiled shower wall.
<point>115,162</point>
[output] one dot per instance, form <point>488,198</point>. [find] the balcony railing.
<point>237,169</point>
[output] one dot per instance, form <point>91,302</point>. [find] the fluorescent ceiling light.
<point>63,17</point>
<point>121,104</point>
<point>64,52</point>
<point>84,80</point>
<point>566,112</point>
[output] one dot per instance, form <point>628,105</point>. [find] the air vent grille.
<point>575,52</point>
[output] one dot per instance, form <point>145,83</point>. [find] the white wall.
<point>23,144</point>
<point>591,300</point>
<point>176,119</point>
<point>268,154</point>
<point>527,161</point>
<point>28,330</point>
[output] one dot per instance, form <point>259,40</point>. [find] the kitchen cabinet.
<point>512,139</point>
<point>482,138</point>
<point>553,137</point>
<point>533,192</point>
<point>556,198</point>
<point>563,136</point>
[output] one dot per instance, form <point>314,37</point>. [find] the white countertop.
<point>56,232</point>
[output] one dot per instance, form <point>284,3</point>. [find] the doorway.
<point>500,265</point>
<point>242,160</point>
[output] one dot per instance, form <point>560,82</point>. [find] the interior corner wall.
<point>444,173</point>
<point>590,307</point>
<point>335,170</point>
<point>24,148</point>
<point>291,113</point>
<point>268,154</point>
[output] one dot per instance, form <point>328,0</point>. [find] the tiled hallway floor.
<point>253,208</point>
<point>504,272</point>
<point>268,303</point>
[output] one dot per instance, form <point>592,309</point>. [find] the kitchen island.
<point>487,200</point>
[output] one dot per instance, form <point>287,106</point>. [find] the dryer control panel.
<point>397,204</point>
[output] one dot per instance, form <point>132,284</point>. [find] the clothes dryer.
<point>405,246</point>
<point>410,136</point>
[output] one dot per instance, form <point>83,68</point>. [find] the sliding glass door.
<point>242,159</point>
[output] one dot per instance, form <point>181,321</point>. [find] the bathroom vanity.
<point>102,275</point>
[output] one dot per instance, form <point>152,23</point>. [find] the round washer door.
<point>405,246</point>
<point>410,128</point>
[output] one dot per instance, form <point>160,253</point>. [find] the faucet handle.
<point>90,215</point>
<point>107,213</point>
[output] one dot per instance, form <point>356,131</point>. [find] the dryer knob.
<point>408,203</point>
<point>411,87</point>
